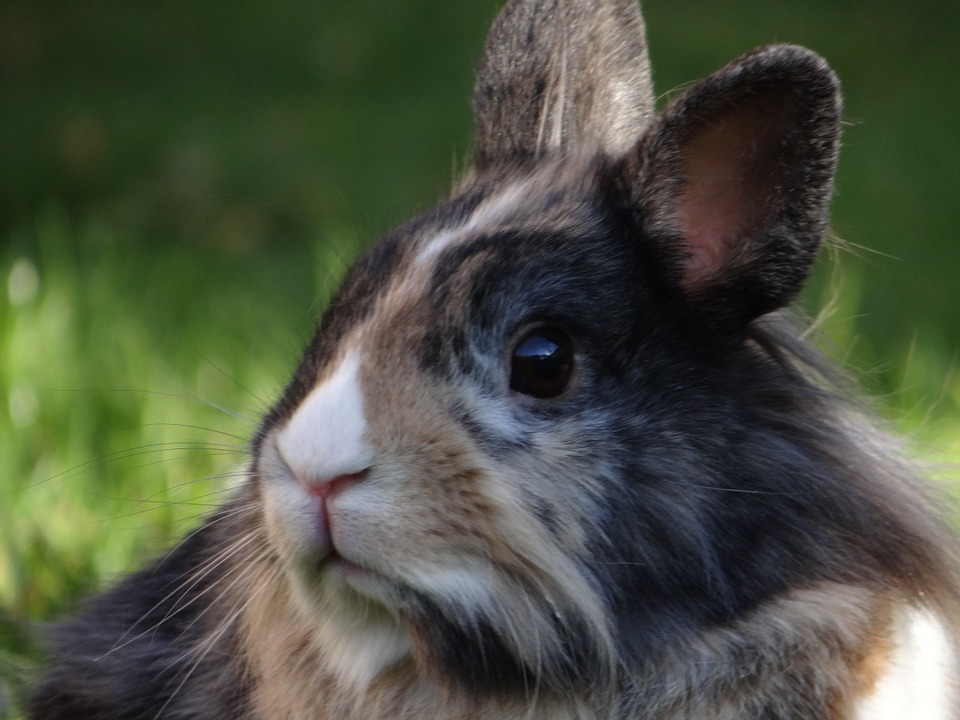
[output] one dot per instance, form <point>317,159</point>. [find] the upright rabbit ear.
<point>732,183</point>
<point>561,75</point>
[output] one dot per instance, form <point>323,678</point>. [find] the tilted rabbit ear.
<point>732,183</point>
<point>561,75</point>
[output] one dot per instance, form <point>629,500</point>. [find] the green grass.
<point>182,185</point>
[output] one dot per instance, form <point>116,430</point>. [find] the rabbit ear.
<point>559,75</point>
<point>732,182</point>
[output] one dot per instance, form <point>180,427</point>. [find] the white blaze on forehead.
<point>325,437</point>
<point>490,212</point>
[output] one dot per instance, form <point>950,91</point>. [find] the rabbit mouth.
<point>325,552</point>
<point>338,573</point>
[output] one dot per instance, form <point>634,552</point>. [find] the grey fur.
<point>562,75</point>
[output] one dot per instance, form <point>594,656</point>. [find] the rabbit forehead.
<point>423,270</point>
<point>551,196</point>
<point>506,204</point>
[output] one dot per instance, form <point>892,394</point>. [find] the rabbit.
<point>556,450</point>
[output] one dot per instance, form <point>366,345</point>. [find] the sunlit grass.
<point>916,388</point>
<point>132,381</point>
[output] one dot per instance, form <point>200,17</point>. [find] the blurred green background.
<point>182,184</point>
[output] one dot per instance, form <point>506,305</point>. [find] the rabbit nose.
<point>327,488</point>
<point>324,443</point>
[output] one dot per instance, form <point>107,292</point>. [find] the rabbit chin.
<point>360,636</point>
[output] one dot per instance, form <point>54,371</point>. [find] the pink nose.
<point>327,488</point>
<point>325,491</point>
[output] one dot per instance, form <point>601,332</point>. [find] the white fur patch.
<point>491,212</point>
<point>359,648</point>
<point>920,682</point>
<point>325,438</point>
<point>466,586</point>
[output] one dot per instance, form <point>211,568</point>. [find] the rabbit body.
<point>552,453</point>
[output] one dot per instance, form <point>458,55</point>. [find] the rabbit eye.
<point>542,363</point>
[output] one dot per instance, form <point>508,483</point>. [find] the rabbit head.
<point>546,429</point>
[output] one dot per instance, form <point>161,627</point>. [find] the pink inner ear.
<point>720,203</point>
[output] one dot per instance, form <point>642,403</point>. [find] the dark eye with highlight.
<point>542,363</point>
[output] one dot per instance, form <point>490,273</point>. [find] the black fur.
<point>124,656</point>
